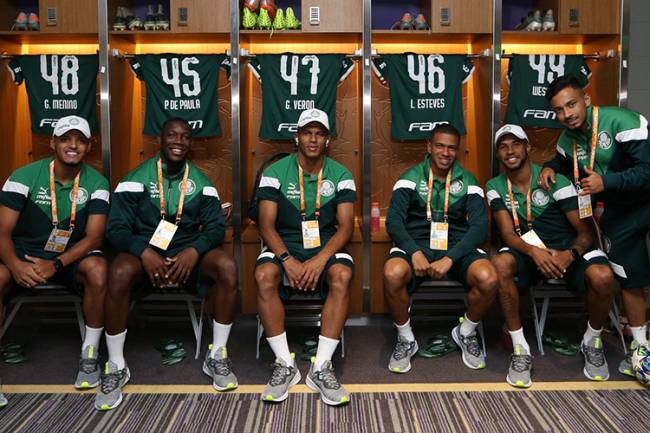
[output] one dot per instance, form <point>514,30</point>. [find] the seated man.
<point>544,237</point>
<point>52,221</point>
<point>306,217</point>
<point>437,221</point>
<point>168,226</point>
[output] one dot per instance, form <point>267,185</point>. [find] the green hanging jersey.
<point>529,76</point>
<point>406,221</point>
<point>280,184</point>
<point>425,90</point>
<point>548,208</point>
<point>27,191</point>
<point>292,83</point>
<point>57,86</point>
<point>622,155</point>
<point>183,86</point>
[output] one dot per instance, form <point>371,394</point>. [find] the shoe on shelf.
<point>420,23</point>
<point>548,23</point>
<point>270,7</point>
<point>33,23</point>
<point>252,5</point>
<point>119,24</point>
<point>162,23</point>
<point>133,23</point>
<point>150,19</point>
<point>406,23</point>
<point>249,19</point>
<point>525,21</point>
<point>279,22</point>
<point>536,24</point>
<point>283,377</point>
<point>290,20</point>
<point>20,23</point>
<point>264,20</point>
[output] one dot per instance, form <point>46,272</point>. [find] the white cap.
<point>515,130</point>
<point>314,115</point>
<point>68,123</point>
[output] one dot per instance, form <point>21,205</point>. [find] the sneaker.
<point>406,23</point>
<point>400,359</point>
<point>150,19</point>
<point>20,23</point>
<point>120,23</point>
<point>420,23</point>
<point>269,6</point>
<point>521,365</point>
<point>132,22</point>
<point>249,20</point>
<point>535,25</point>
<point>219,368</point>
<point>325,382</point>
<point>89,370</point>
<point>162,23</point>
<point>290,20</point>
<point>264,20</point>
<point>109,395</point>
<point>473,356</point>
<point>278,22</point>
<point>284,377</point>
<point>625,366</point>
<point>33,22</point>
<point>252,5</point>
<point>548,23</point>
<point>525,21</point>
<point>595,362</point>
<point>3,400</point>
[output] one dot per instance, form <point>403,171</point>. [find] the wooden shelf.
<point>549,38</point>
<point>424,36</point>
<point>169,37</point>
<point>49,38</point>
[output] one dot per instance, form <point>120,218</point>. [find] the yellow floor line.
<point>389,387</point>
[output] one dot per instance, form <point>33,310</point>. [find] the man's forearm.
<point>273,240</point>
<point>80,249</point>
<point>336,242</point>
<point>8,251</point>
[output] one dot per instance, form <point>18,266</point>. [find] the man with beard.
<point>52,222</point>
<point>544,237</point>
<point>437,221</point>
<point>167,224</point>
<point>606,153</point>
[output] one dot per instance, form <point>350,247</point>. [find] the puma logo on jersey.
<point>51,122</point>
<point>424,126</point>
<point>539,114</point>
<point>291,127</point>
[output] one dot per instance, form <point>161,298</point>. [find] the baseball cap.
<point>68,123</point>
<point>515,130</point>
<point>314,115</point>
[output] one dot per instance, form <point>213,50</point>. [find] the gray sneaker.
<point>521,365</point>
<point>219,369</point>
<point>325,382</point>
<point>595,362</point>
<point>284,377</point>
<point>625,366</point>
<point>3,400</point>
<point>88,374</point>
<point>109,395</point>
<point>473,356</point>
<point>400,360</point>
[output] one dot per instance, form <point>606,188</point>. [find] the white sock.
<point>467,326</point>
<point>280,348</point>
<point>591,333</point>
<point>640,334</point>
<point>324,352</point>
<point>220,333</point>
<point>518,338</point>
<point>92,337</point>
<point>405,331</point>
<point>115,345</point>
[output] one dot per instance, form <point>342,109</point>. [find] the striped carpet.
<point>588,411</point>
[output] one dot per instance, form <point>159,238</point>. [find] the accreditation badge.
<point>310,234</point>
<point>163,235</point>
<point>439,236</point>
<point>531,238</point>
<point>58,240</point>
<point>584,205</point>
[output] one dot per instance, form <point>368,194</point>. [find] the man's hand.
<point>593,183</point>
<point>312,269</point>
<point>44,268</point>
<point>294,270</point>
<point>26,274</point>
<point>546,263</point>
<point>546,178</point>
<point>563,259</point>
<point>420,264</point>
<point>181,266</point>
<point>155,266</point>
<point>439,268</point>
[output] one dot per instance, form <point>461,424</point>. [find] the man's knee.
<point>600,279</point>
<point>93,271</point>
<point>505,265</point>
<point>123,271</point>
<point>396,275</point>
<point>338,280</point>
<point>6,280</point>
<point>226,269</point>
<point>485,278</point>
<point>267,279</point>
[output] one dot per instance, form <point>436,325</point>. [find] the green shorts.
<point>301,254</point>
<point>625,243</point>
<point>457,272</point>
<point>528,274</point>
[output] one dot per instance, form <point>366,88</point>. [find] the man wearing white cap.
<point>543,236</point>
<point>52,222</point>
<point>306,217</point>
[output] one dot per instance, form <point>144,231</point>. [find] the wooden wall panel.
<point>72,16</point>
<point>467,16</point>
<point>204,16</point>
<point>335,16</point>
<point>594,16</point>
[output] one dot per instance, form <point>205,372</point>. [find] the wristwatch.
<point>574,253</point>
<point>58,264</point>
<point>285,256</point>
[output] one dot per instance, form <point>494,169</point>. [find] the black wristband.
<point>575,253</point>
<point>285,256</point>
<point>58,264</point>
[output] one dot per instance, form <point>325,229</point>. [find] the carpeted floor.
<point>376,412</point>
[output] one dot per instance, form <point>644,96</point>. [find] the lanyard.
<point>75,193</point>
<point>513,208</point>
<point>592,153</point>
<point>301,181</point>
<point>181,199</point>
<point>430,188</point>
